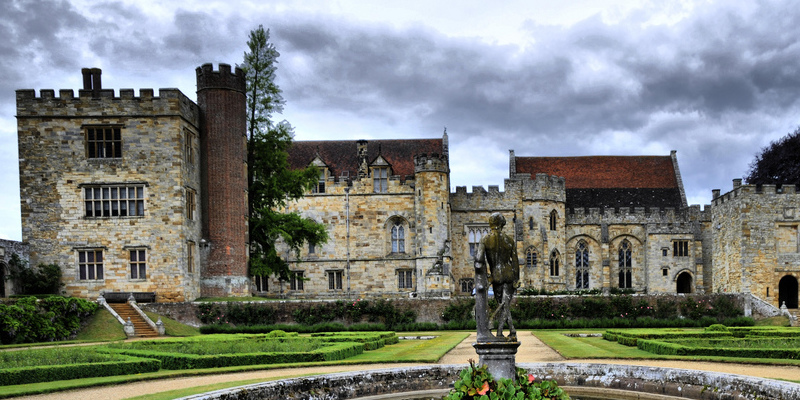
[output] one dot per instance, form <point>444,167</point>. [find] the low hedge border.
<point>631,338</point>
<point>671,348</point>
<point>371,340</point>
<point>173,361</point>
<point>47,373</point>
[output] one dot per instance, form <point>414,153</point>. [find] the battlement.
<point>740,190</point>
<point>639,215</point>
<point>104,103</point>
<point>207,78</point>
<point>431,162</point>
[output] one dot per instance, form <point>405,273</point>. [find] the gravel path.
<point>531,350</point>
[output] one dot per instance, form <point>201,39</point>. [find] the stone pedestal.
<point>499,358</point>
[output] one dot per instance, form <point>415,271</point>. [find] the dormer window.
<point>380,179</point>
<point>319,187</point>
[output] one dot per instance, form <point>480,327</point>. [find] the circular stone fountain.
<point>585,381</point>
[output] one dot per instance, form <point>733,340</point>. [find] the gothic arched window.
<point>530,258</point>
<point>582,266</point>
<point>554,263</point>
<point>398,237</point>
<point>625,269</point>
<point>553,220</point>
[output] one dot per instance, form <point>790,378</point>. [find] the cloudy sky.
<point>714,80</point>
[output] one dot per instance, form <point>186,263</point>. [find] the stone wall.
<point>8,248</point>
<point>756,242</point>
<point>55,169</point>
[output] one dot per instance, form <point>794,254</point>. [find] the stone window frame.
<point>467,284</point>
<point>582,265</point>
<point>90,264</point>
<point>191,204</point>
<point>405,278</point>
<point>191,246</point>
<point>261,283</point>
<point>296,279</point>
<point>625,262</point>
<point>554,220</point>
<point>189,151</point>
<point>380,179</point>
<point>531,257</point>
<point>102,140</point>
<point>475,232</point>
<point>335,279</point>
<point>396,231</point>
<point>555,263</point>
<point>103,200</point>
<point>319,187</point>
<point>137,267</point>
<point>680,248</point>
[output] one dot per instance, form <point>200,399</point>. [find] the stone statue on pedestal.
<point>496,262</point>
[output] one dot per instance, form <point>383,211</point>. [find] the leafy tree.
<point>44,279</point>
<point>272,184</point>
<point>778,163</point>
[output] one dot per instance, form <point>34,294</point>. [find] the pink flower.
<point>530,378</point>
<point>484,388</point>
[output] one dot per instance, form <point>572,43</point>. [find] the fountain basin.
<point>590,380</point>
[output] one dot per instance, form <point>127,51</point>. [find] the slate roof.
<point>611,181</point>
<point>342,155</point>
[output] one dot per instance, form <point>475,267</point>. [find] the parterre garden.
<point>769,342</point>
<point>211,351</point>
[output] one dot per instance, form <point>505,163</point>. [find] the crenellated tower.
<point>222,102</point>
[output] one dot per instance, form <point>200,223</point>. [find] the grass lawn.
<point>172,327</point>
<point>597,347</point>
<point>423,351</point>
<point>102,327</point>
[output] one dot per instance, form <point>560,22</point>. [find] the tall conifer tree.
<point>271,183</point>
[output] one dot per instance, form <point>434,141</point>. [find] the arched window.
<point>530,258</point>
<point>398,237</point>
<point>554,263</point>
<point>582,266</point>
<point>625,265</point>
<point>474,235</point>
<point>553,220</point>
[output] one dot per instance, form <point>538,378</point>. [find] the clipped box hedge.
<point>371,340</point>
<point>173,361</point>
<point>632,337</point>
<point>46,373</point>
<point>684,348</point>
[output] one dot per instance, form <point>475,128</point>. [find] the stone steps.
<point>140,327</point>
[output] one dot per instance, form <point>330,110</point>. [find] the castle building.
<point>149,194</point>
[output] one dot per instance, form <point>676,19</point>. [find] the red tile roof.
<point>342,155</point>
<point>604,171</point>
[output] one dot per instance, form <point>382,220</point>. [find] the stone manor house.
<point>149,194</point>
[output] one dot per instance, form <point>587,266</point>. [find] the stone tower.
<point>222,102</point>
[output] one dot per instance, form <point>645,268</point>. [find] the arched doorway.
<point>787,291</point>
<point>684,283</point>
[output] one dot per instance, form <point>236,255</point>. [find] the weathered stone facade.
<point>756,247</point>
<point>396,229</point>
<point>8,249</point>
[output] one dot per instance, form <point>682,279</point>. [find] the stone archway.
<point>787,291</point>
<point>684,283</point>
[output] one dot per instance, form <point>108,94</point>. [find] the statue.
<point>496,262</point>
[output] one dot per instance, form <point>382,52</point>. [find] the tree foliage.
<point>271,183</point>
<point>44,279</point>
<point>778,163</point>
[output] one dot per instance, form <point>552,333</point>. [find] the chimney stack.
<point>91,80</point>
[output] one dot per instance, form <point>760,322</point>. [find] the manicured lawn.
<point>174,328</point>
<point>102,327</point>
<point>405,351</point>
<point>597,347</point>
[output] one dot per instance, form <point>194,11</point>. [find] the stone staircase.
<point>140,327</point>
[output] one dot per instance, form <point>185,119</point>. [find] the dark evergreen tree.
<point>778,163</point>
<point>270,181</point>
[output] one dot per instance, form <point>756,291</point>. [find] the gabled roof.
<point>342,155</point>
<point>611,181</point>
<point>605,172</point>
